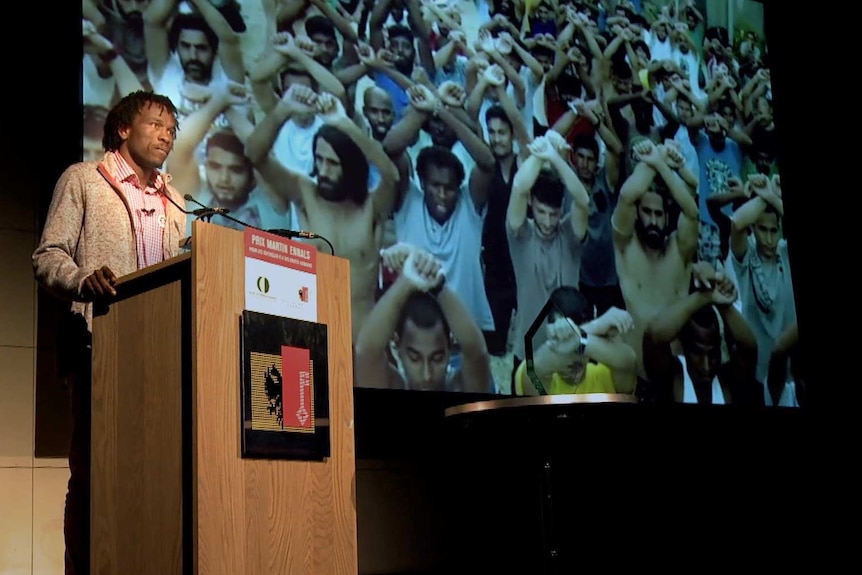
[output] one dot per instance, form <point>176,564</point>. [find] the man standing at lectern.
<point>107,218</point>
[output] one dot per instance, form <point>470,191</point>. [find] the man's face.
<point>766,235</point>
<point>196,56</point>
<point>546,218</point>
<point>702,352</point>
<point>661,32</point>
<point>585,164</point>
<point>441,133</point>
<point>544,12</point>
<point>691,20</point>
<point>379,112</point>
<point>289,78</point>
<point>622,85</point>
<point>444,30</point>
<point>499,137</point>
<point>329,176</point>
<point>424,354</point>
<point>546,60</point>
<point>679,38</point>
<point>684,109</point>
<point>133,10</point>
<point>762,161</point>
<point>714,130</point>
<point>150,137</point>
<point>403,51</point>
<point>229,176</point>
<point>764,108</point>
<point>651,223</point>
<point>441,192</point>
<point>668,79</point>
<point>327,49</point>
<point>576,364</point>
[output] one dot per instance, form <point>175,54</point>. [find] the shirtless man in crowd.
<point>332,201</point>
<point>653,259</point>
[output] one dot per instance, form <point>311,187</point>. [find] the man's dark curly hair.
<point>122,115</point>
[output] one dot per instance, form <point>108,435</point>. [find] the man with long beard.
<point>334,201</point>
<point>653,260</point>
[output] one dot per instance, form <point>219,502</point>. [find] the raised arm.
<point>183,164</point>
<point>535,67</point>
<point>299,50</point>
<point>633,189</point>
<point>557,159</point>
<point>371,364</point>
<point>376,35</point>
<point>605,345</point>
<point>108,61</point>
<point>660,363</point>
<point>423,38</point>
<point>763,194</point>
<point>486,77</point>
<point>740,339</point>
<point>489,46</point>
<point>476,363</point>
<point>782,352</point>
<point>522,184</point>
<point>156,42</point>
<point>285,183</point>
<point>687,225</point>
<point>229,52</point>
<point>341,23</point>
<point>519,127</point>
<point>446,104</point>
<point>383,195</point>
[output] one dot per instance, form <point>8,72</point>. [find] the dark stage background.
<point>721,480</point>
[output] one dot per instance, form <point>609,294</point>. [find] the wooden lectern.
<point>170,492</point>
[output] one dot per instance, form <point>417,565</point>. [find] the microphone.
<point>200,213</point>
<point>295,234</point>
<point>285,233</point>
<point>221,211</point>
<point>302,234</point>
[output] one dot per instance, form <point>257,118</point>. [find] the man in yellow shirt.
<point>582,354</point>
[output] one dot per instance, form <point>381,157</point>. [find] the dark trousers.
<point>76,520</point>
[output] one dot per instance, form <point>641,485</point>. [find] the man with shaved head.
<point>378,112</point>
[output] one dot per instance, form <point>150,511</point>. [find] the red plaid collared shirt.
<point>148,212</point>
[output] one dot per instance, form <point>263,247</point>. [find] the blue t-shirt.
<point>396,92</point>
<point>716,169</point>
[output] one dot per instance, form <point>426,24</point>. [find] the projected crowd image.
<point>474,159</point>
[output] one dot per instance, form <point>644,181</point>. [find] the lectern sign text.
<point>280,276</point>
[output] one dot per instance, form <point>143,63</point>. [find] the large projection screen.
<point>617,157</point>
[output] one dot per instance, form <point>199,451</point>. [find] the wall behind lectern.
<point>725,38</point>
